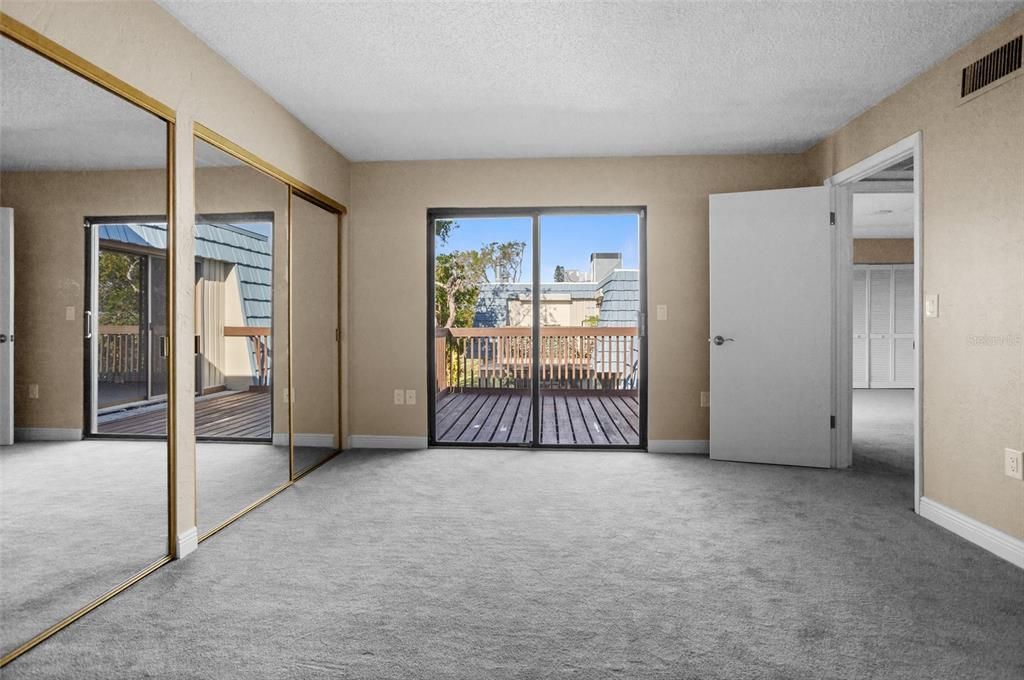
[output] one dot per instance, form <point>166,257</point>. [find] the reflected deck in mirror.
<point>222,415</point>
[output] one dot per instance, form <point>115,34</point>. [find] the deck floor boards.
<point>506,417</point>
<point>242,415</point>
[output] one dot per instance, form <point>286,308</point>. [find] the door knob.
<point>719,340</point>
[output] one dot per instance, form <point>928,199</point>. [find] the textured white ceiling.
<point>52,119</point>
<point>883,215</point>
<point>431,80</point>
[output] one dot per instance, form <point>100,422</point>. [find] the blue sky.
<point>566,240</point>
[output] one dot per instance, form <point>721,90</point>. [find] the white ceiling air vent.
<point>994,66</point>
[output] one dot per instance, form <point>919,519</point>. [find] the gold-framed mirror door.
<point>241,320</point>
<point>85,170</point>
<point>316,333</point>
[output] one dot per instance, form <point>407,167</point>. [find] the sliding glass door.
<point>590,329</point>
<point>126,327</point>
<point>536,327</point>
<point>482,328</point>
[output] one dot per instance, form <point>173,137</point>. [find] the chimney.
<point>602,264</point>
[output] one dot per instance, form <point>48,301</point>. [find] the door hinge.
<point>832,422</point>
<point>832,219</point>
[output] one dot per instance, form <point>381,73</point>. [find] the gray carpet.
<point>518,564</point>
<point>883,430</point>
<point>78,518</point>
<point>231,475</point>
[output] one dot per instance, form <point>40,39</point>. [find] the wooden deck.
<point>567,418</point>
<point>241,415</point>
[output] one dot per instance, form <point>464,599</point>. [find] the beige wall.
<point>973,259</point>
<point>883,250</point>
<point>388,272</point>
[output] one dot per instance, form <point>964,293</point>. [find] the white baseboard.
<point>305,439</point>
<point>373,441</point>
<point>320,440</point>
<point>996,542</point>
<point>47,434</point>
<point>186,543</point>
<point>677,446</point>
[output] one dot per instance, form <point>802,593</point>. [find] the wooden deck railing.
<point>570,358</point>
<point>121,354</point>
<point>259,341</point>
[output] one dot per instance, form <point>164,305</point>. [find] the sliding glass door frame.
<point>535,214</point>
<point>91,323</point>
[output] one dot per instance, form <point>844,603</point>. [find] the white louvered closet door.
<point>860,327</point>
<point>903,369</point>
<point>880,328</point>
<point>883,326</point>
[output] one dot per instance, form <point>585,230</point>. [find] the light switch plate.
<point>931,306</point>
<point>662,311</point>
<point>399,397</point>
<point>1013,464</point>
<point>410,397</point>
<point>69,313</point>
<point>705,399</point>
<point>33,391</point>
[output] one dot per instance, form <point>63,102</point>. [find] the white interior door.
<point>6,326</point>
<point>771,310</point>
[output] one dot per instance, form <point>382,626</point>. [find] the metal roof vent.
<point>997,64</point>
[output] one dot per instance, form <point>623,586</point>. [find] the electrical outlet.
<point>399,397</point>
<point>410,397</point>
<point>69,313</point>
<point>33,391</point>
<point>705,399</point>
<point>1012,464</point>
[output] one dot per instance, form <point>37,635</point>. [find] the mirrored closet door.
<point>84,281</point>
<point>241,321</point>
<point>315,333</point>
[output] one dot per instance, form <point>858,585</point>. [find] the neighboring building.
<point>612,297</point>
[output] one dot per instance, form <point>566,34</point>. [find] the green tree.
<point>458,276</point>
<point>503,260</point>
<point>120,287</point>
<point>559,274</point>
<point>444,228</point>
